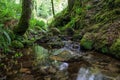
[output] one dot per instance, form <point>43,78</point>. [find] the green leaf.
<point>7,36</point>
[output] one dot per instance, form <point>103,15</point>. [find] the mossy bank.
<point>98,23</point>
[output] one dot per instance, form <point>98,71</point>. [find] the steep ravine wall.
<point>96,22</point>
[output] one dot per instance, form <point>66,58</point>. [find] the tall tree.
<point>25,17</point>
<point>53,11</point>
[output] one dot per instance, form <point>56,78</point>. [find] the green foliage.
<point>44,7</point>
<point>115,48</point>
<point>44,11</point>
<point>18,55</point>
<point>32,23</point>
<point>5,39</point>
<point>39,24</point>
<point>9,9</point>
<point>35,22</point>
<point>17,44</point>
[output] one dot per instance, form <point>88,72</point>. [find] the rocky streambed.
<point>62,59</point>
<point>69,62</point>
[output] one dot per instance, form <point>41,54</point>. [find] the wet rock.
<point>62,54</point>
<point>72,46</point>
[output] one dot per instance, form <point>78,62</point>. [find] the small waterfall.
<point>75,47</point>
<point>63,66</point>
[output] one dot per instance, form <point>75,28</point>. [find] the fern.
<point>5,39</point>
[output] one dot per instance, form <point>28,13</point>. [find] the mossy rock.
<point>115,48</point>
<point>17,44</point>
<point>87,42</point>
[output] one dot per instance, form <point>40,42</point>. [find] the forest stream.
<point>66,61</point>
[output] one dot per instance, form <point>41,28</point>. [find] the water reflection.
<point>87,74</point>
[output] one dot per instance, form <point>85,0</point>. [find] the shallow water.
<point>91,66</point>
<point>86,74</point>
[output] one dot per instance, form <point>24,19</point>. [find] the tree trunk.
<point>70,4</point>
<point>25,17</point>
<point>53,8</point>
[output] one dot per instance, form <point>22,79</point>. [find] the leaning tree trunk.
<point>25,17</point>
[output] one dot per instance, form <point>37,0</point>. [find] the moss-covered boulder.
<point>87,41</point>
<point>115,48</point>
<point>17,44</point>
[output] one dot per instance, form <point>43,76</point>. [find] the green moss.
<point>78,11</point>
<point>105,16</point>
<point>88,7</point>
<point>17,44</point>
<point>97,24</point>
<point>87,41</point>
<point>104,49</point>
<point>95,27</point>
<point>61,19</point>
<point>101,42</point>
<point>70,24</point>
<point>115,48</point>
<point>87,44</point>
